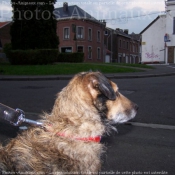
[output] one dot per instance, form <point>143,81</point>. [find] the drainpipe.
<point>165,52</point>
<point>107,40</point>
<point>111,45</point>
<point>166,55</point>
<point>152,54</point>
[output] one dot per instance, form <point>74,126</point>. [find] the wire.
<point>107,19</point>
<point>136,16</point>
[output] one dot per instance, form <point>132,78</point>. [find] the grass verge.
<point>62,69</point>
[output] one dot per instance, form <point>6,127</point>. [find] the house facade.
<point>158,38</point>
<point>80,32</point>
<point>124,47</point>
<point>153,46</point>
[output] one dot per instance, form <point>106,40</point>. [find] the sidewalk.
<point>160,70</point>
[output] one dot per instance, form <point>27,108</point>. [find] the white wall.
<point>153,41</point>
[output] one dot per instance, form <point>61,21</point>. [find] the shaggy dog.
<point>69,142</point>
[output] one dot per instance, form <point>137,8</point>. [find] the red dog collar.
<point>86,139</point>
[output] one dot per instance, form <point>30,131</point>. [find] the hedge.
<point>71,57</point>
<point>32,57</point>
<point>7,48</point>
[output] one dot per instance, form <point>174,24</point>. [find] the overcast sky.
<point>133,15</point>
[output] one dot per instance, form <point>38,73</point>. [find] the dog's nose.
<point>136,107</point>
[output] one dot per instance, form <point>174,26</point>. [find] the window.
<point>127,45</point>
<point>89,52</point>
<point>80,49</point>
<point>119,58</point>
<point>90,34</point>
<point>80,33</point>
<point>66,33</point>
<point>106,32</point>
<point>136,49</point>
<point>124,44</point>
<point>133,48</point>
<point>120,43</point>
<point>98,36</point>
<point>98,53</point>
<point>66,49</point>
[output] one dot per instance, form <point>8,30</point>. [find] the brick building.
<point>80,32</point>
<point>124,47</point>
<point>4,33</point>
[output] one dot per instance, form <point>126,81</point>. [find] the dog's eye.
<point>96,86</point>
<point>117,94</point>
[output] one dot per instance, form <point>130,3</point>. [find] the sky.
<point>133,15</point>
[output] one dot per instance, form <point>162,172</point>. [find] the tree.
<point>34,25</point>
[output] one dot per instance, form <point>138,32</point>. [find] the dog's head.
<point>106,98</point>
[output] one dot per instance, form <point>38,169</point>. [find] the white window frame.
<point>98,53</point>
<point>66,35</point>
<point>66,47</point>
<point>81,35</point>
<point>89,52</point>
<point>90,34</point>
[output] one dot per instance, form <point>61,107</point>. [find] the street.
<point>134,149</point>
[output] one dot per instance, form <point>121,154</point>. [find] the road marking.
<point>171,66</point>
<point>148,125</point>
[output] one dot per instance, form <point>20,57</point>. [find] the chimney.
<point>104,22</point>
<point>126,31</point>
<point>65,7</point>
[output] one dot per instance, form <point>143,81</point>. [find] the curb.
<point>33,78</point>
<point>141,76</point>
<point>42,78</point>
<point>151,125</point>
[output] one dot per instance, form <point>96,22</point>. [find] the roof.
<point>119,32</point>
<point>122,33</point>
<point>72,12</point>
<point>169,2</point>
<point>135,36</point>
<point>150,25</point>
<point>2,24</point>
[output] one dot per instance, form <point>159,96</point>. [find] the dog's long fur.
<point>84,108</point>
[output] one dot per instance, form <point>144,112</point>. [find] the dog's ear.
<point>103,85</point>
